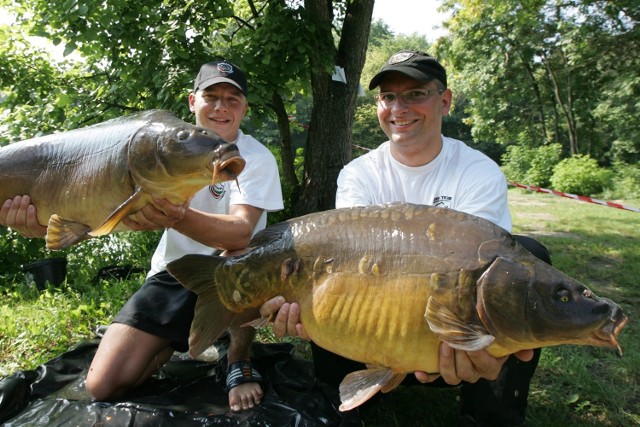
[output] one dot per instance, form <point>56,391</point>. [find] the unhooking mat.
<point>184,392</point>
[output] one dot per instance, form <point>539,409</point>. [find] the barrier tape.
<point>576,197</point>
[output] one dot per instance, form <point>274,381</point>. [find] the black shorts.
<point>161,307</point>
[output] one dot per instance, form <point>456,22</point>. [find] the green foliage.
<point>532,166</point>
<point>543,163</point>
<point>580,175</point>
<point>625,183</point>
<point>121,249</point>
<point>539,71</point>
<point>367,133</point>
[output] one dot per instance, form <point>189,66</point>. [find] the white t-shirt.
<point>459,178</point>
<point>259,187</point>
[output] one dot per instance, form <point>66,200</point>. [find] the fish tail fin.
<point>62,233</point>
<point>211,318</point>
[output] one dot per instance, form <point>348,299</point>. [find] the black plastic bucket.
<point>52,270</point>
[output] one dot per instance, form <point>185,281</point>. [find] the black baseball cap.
<point>413,63</point>
<point>220,72</point>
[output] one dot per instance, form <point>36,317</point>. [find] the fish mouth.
<point>608,334</point>
<point>227,169</point>
<point>232,167</point>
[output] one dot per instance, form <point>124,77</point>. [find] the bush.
<point>625,182</point>
<point>580,175</point>
<point>366,130</point>
<point>543,163</point>
<point>532,166</point>
<point>85,259</point>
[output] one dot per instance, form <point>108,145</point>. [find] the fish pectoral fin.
<point>450,329</point>
<point>129,206</point>
<point>359,386</point>
<point>62,232</point>
<point>211,318</point>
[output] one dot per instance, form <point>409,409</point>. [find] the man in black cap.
<point>420,165</point>
<point>156,320</point>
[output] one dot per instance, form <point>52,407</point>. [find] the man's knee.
<point>100,387</point>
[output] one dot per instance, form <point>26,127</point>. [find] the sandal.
<point>241,372</point>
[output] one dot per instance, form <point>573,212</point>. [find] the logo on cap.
<point>400,57</point>
<point>225,68</point>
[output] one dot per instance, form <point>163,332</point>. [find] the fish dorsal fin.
<point>62,233</point>
<point>359,386</point>
<point>450,329</point>
<point>211,317</point>
<point>129,206</point>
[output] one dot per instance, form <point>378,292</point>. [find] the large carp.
<point>384,284</point>
<point>85,181</point>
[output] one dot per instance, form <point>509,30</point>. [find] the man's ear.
<point>447,97</point>
<point>192,102</point>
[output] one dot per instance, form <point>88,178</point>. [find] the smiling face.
<point>413,129</point>
<point>220,108</point>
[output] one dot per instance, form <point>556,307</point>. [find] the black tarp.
<point>184,392</point>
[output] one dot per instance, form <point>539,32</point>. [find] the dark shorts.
<point>161,307</point>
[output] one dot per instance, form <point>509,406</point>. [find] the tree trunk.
<point>536,91</point>
<point>566,107</point>
<point>329,141</point>
<point>288,169</point>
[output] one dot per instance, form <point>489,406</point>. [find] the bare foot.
<point>244,396</point>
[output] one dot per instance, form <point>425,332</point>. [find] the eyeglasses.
<point>414,96</point>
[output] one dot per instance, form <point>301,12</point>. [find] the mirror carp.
<point>85,181</point>
<point>384,284</point>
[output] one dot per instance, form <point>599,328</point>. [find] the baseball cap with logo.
<point>415,64</point>
<point>221,72</point>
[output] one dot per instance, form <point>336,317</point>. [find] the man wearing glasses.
<point>420,165</point>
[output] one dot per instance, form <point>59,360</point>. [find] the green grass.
<point>573,385</point>
<point>38,326</point>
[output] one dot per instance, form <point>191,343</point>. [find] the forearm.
<point>225,232</point>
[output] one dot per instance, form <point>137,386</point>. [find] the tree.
<point>144,55</point>
<point>542,71</point>
<point>329,144</point>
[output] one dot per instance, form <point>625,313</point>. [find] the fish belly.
<point>375,320</point>
<point>80,175</point>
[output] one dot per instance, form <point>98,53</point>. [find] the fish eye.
<point>183,134</point>
<point>564,295</point>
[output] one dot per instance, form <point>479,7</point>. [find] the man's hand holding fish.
<point>19,214</point>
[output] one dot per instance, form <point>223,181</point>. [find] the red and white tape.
<point>575,196</point>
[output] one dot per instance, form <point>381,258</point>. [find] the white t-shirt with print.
<point>459,178</point>
<point>259,185</point>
